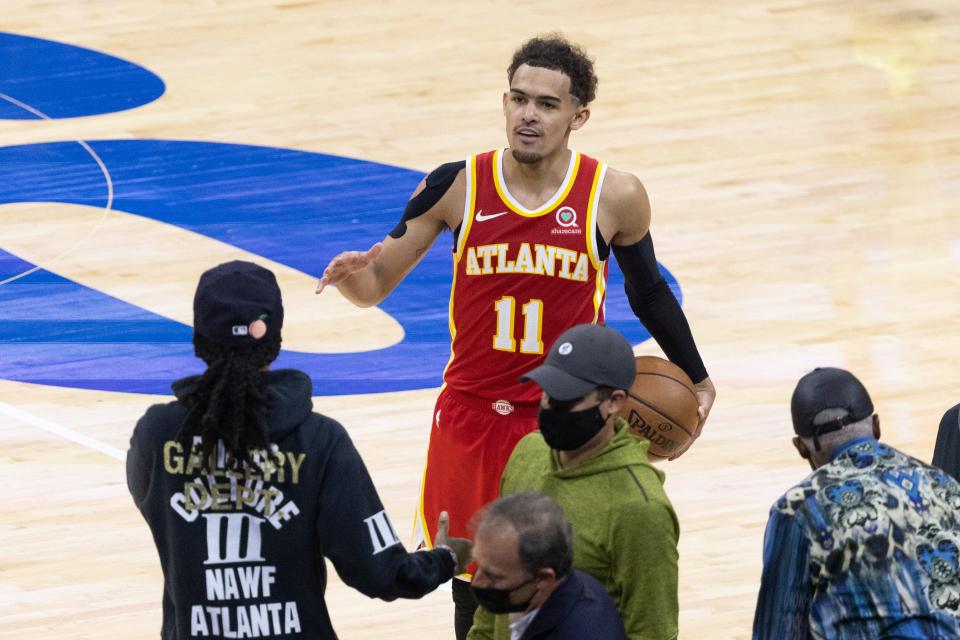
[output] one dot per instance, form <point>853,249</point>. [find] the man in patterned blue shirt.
<point>868,545</point>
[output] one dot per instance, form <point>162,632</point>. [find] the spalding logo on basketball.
<point>661,406</point>
<point>661,436</point>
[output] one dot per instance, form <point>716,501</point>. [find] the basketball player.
<point>533,226</point>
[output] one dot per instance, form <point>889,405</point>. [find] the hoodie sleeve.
<point>644,543</point>
<point>358,537</point>
<point>140,457</point>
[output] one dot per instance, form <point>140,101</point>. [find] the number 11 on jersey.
<point>503,340</point>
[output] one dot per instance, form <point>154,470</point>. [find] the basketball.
<point>661,406</point>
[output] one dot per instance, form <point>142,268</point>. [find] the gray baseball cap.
<point>583,358</point>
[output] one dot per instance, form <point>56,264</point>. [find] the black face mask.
<point>570,430</point>
<point>498,600</point>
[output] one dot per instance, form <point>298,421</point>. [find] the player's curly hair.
<point>229,402</point>
<point>553,51</point>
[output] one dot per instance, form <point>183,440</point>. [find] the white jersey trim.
<point>551,202</point>
<point>593,214</point>
<point>469,200</point>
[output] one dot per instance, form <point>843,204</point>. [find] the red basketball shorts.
<point>471,439</point>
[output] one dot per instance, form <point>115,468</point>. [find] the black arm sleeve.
<point>357,536</point>
<point>653,302</point>
<point>438,183</point>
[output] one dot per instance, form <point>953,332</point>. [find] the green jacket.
<point>625,531</point>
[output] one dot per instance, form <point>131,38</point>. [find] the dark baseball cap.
<point>583,358</point>
<point>828,388</point>
<point>237,303</point>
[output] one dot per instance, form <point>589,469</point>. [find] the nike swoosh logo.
<point>480,217</point>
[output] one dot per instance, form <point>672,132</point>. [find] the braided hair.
<point>230,400</point>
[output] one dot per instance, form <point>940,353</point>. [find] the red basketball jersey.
<point>521,277</point>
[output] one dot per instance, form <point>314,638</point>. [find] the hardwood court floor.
<point>803,161</point>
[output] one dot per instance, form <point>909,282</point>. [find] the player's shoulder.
<point>623,184</point>
<point>446,173</point>
<point>624,201</point>
<point>439,196</point>
<point>448,180</point>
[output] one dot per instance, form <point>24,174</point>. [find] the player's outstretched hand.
<point>345,264</point>
<point>706,395</point>
<point>461,547</point>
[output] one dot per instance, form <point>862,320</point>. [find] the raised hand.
<point>345,264</point>
<point>461,547</point>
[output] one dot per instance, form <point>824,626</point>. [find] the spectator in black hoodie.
<point>246,489</point>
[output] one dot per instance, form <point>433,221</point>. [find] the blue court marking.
<point>292,207</point>
<point>64,81</point>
